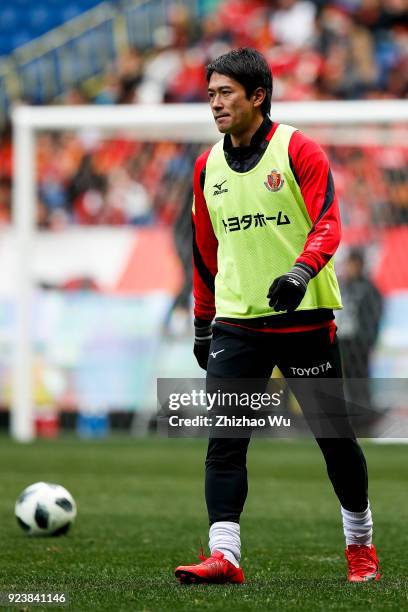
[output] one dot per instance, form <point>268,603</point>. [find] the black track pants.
<point>241,354</point>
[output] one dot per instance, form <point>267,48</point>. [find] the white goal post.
<point>179,123</point>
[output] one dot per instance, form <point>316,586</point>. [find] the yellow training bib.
<point>261,224</point>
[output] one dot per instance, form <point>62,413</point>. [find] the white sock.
<point>225,537</point>
<point>357,526</point>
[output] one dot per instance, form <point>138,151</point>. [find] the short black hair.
<point>356,255</point>
<point>248,67</point>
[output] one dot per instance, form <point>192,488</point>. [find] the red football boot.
<point>215,570</point>
<point>362,563</point>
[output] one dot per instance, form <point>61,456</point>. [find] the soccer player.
<point>266,226</point>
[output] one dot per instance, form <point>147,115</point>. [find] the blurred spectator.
<point>243,20</point>
<point>178,321</point>
<point>317,50</point>
<point>358,326</point>
<point>293,23</point>
<point>109,92</point>
<point>86,194</point>
<point>130,71</point>
<point>160,69</point>
<point>75,95</point>
<point>189,84</point>
<point>397,191</point>
<point>349,67</point>
<point>129,198</point>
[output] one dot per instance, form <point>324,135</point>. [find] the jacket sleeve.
<point>311,169</point>
<point>205,246</point>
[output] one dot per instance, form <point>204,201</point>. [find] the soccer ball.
<point>45,509</point>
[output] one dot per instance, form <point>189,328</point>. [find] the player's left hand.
<point>287,291</point>
<point>202,341</point>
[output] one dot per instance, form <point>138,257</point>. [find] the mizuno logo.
<point>219,186</point>
<point>214,354</point>
<point>219,189</point>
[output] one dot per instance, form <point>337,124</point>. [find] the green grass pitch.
<point>141,512</point>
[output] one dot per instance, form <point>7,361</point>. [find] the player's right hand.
<point>202,342</point>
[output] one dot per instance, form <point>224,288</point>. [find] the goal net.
<point>95,287</point>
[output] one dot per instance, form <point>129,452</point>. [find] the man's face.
<point>233,112</point>
<point>352,269</point>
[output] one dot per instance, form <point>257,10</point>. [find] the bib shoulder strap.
<point>283,134</point>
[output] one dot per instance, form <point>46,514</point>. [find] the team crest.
<point>274,180</point>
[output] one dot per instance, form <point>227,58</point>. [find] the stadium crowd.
<point>353,49</point>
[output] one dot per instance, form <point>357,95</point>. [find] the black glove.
<point>287,291</point>
<point>202,341</point>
